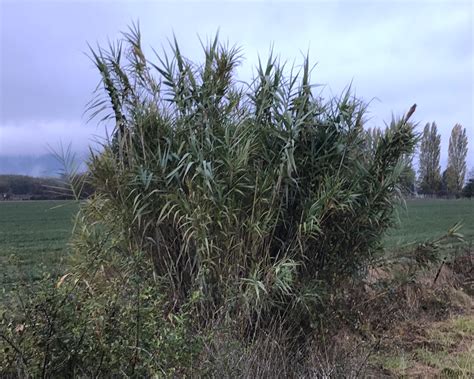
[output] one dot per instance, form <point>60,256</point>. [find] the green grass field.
<point>33,238</point>
<point>422,220</point>
<point>35,234</point>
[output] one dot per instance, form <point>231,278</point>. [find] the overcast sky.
<point>396,53</point>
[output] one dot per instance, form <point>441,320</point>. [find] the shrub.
<point>94,324</point>
<point>468,190</point>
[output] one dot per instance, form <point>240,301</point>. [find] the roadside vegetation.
<point>236,230</point>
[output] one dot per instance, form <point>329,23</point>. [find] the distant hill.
<point>46,165</point>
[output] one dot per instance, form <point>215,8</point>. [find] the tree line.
<point>22,187</point>
<point>428,179</point>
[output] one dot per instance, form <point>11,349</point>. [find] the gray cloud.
<point>36,137</point>
<point>399,52</point>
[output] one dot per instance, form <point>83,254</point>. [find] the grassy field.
<point>36,233</point>
<point>422,220</point>
<point>33,238</point>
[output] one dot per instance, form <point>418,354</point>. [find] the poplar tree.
<point>429,168</point>
<point>457,159</point>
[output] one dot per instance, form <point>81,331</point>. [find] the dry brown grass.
<point>425,324</point>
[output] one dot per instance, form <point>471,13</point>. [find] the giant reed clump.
<point>246,197</point>
<point>217,202</point>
